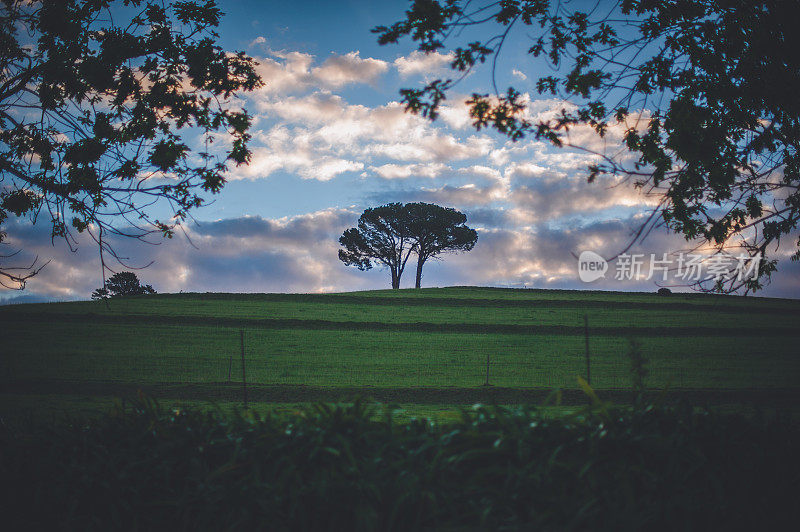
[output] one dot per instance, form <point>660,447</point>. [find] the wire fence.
<point>171,354</point>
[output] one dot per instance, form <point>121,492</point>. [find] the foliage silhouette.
<point>390,233</point>
<point>95,97</point>
<point>122,284</point>
<point>704,91</point>
<point>381,236</point>
<point>352,467</point>
<point>436,230</point>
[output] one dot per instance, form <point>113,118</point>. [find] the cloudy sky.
<point>330,139</point>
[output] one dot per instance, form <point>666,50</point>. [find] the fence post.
<point>588,361</point>
<point>244,377</point>
<point>230,365</point>
<point>487,370</point>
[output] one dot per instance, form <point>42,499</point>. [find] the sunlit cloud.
<point>402,171</point>
<point>421,63</point>
<point>292,71</point>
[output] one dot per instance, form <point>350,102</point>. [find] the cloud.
<point>328,169</point>
<point>286,72</point>
<point>299,254</point>
<point>481,171</point>
<point>339,70</point>
<point>529,170</point>
<point>434,147</point>
<point>402,171</point>
<point>299,160</point>
<point>328,119</point>
<point>320,135</point>
<point>244,254</point>
<point>459,196</point>
<point>541,256</point>
<point>517,74</point>
<point>417,63</point>
<point>503,155</point>
<point>257,41</point>
<point>552,196</point>
<point>527,193</point>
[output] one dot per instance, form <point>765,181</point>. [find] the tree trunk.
<point>395,279</point>
<point>420,263</point>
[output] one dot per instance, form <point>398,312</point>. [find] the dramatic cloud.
<point>326,119</point>
<point>246,254</point>
<point>299,254</point>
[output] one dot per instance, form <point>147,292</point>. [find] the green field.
<point>408,339</point>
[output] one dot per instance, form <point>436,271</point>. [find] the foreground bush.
<point>343,468</point>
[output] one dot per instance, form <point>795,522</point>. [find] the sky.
<point>330,139</point>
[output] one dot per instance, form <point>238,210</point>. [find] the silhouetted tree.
<point>714,84</point>
<point>381,236</point>
<point>94,97</point>
<point>122,284</point>
<point>390,233</point>
<point>435,230</point>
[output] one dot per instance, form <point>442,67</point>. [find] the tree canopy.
<point>436,230</point>
<point>96,100</point>
<point>381,236</point>
<point>713,82</point>
<point>122,284</point>
<point>388,235</point>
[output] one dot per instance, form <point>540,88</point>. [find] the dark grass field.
<point>425,346</point>
<point>133,412</point>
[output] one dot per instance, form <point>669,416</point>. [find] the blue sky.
<point>330,139</point>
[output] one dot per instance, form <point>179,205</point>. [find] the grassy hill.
<point>408,339</point>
